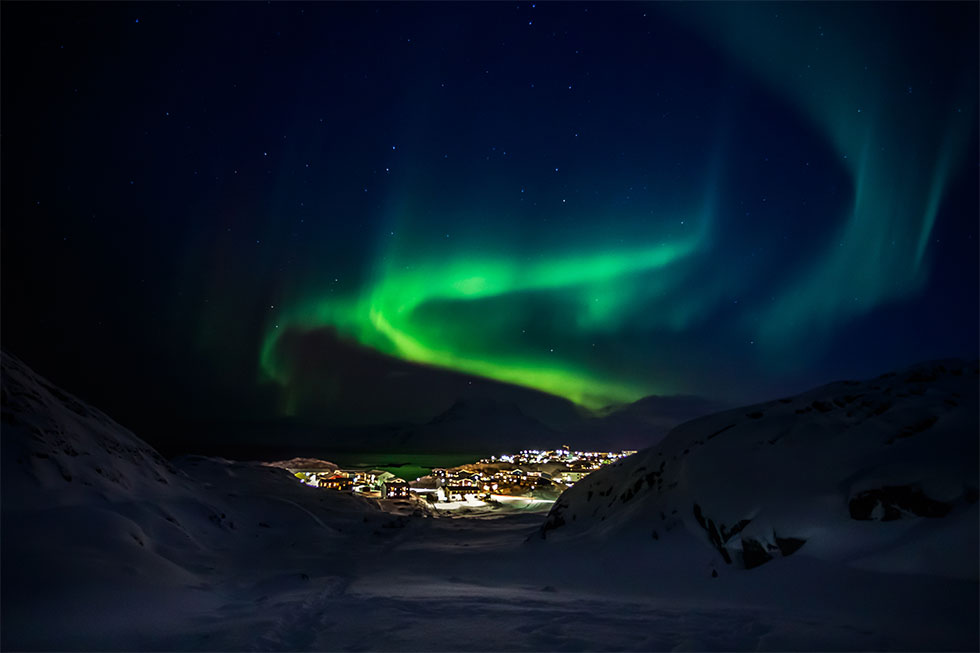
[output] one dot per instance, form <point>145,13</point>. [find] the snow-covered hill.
<point>106,546</point>
<point>57,450</point>
<point>879,475</point>
<point>110,542</point>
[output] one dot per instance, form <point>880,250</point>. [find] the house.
<point>381,477</point>
<point>461,492</point>
<point>340,482</point>
<point>395,488</point>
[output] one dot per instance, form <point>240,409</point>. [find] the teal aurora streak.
<point>461,305</point>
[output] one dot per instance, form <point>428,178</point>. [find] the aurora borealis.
<point>412,311</point>
<point>411,307</point>
<point>354,212</point>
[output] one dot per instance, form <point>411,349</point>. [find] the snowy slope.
<point>57,450</point>
<point>98,553</point>
<point>110,541</point>
<point>878,475</point>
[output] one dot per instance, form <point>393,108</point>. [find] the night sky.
<point>354,213</point>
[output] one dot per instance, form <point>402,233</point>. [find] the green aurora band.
<point>418,305</point>
<point>390,316</point>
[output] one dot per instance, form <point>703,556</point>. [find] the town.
<point>530,477</point>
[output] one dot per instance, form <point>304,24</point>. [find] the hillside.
<point>843,519</point>
<point>107,545</point>
<point>878,475</point>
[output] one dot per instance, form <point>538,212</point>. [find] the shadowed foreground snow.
<point>107,546</point>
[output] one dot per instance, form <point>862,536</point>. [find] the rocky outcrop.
<point>895,502</point>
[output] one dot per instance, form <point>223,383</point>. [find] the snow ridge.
<point>880,475</point>
<point>106,543</point>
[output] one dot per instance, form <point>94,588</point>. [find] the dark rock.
<point>754,554</point>
<point>788,545</point>
<point>881,408</point>
<point>713,536</point>
<point>914,428</point>
<point>896,500</point>
<point>720,431</point>
<point>923,376</point>
<point>555,520</point>
<point>736,529</point>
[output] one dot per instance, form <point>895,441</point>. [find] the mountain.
<point>477,408</point>
<point>474,423</point>
<point>484,426</point>
<point>480,425</point>
<point>638,425</point>
<point>877,475</point>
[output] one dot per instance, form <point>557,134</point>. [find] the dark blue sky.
<point>351,212</point>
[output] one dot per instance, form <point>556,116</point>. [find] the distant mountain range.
<point>640,424</point>
<point>487,426</point>
<point>478,425</point>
